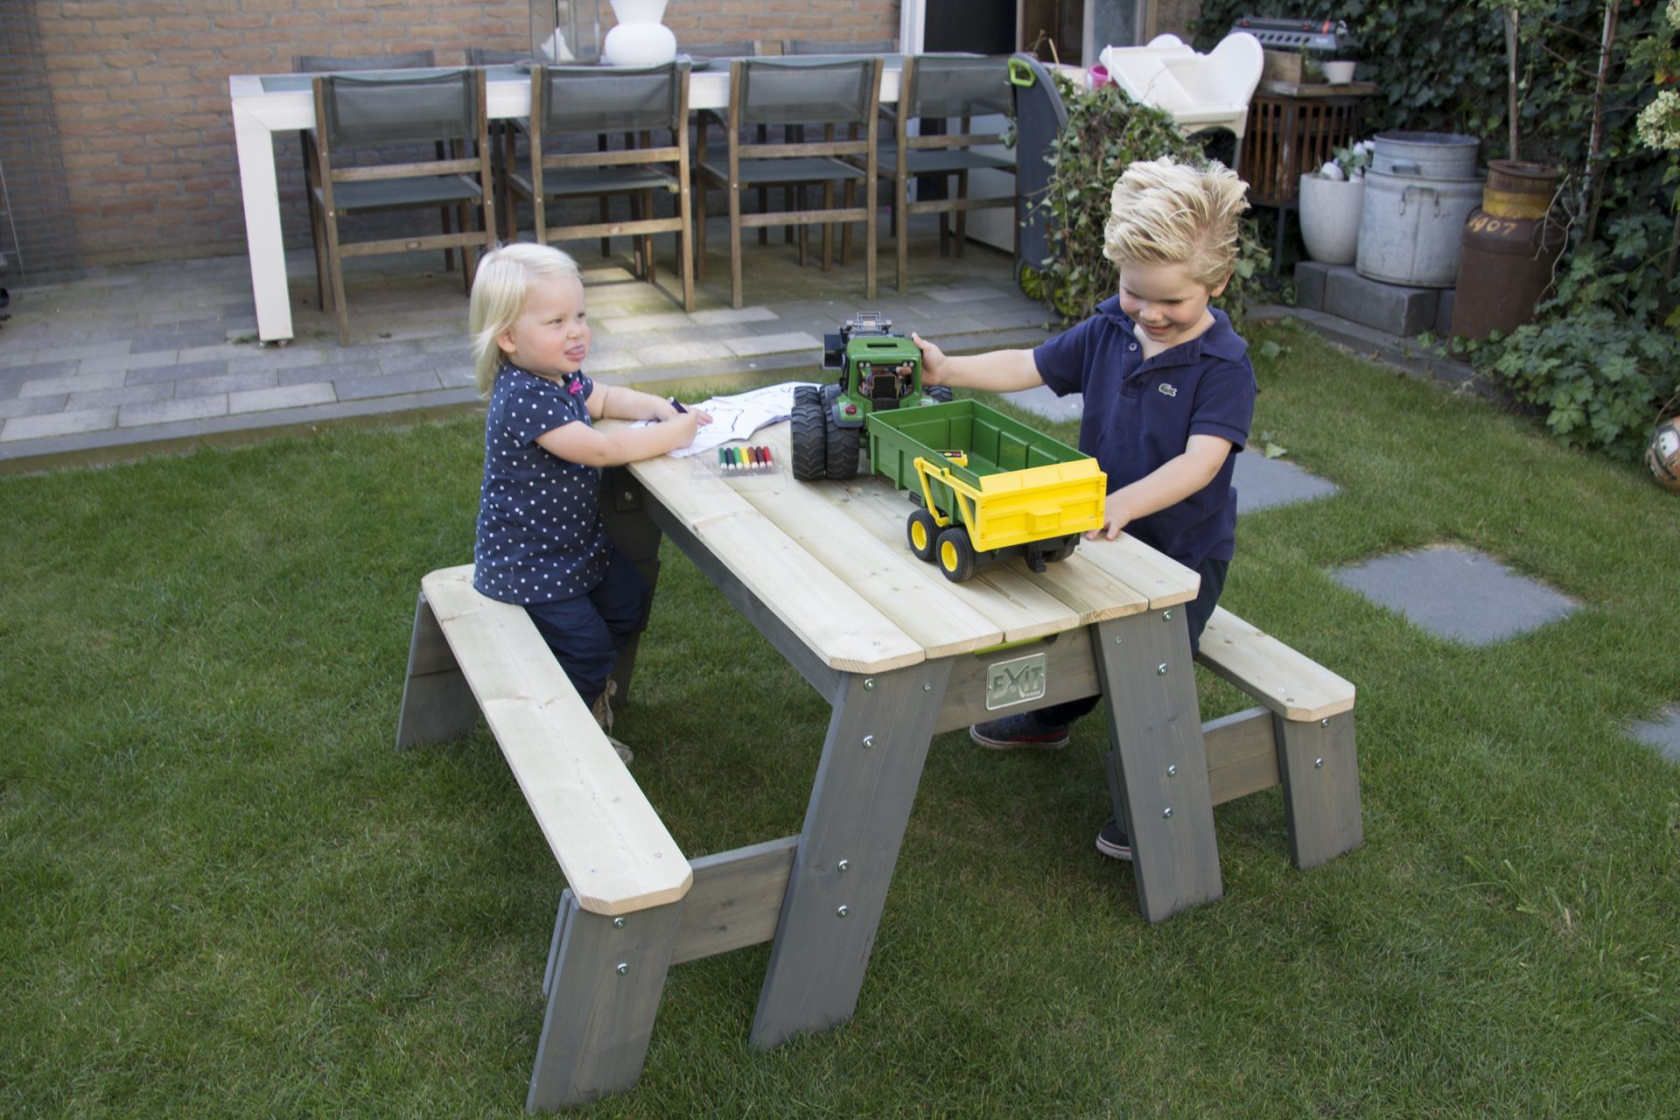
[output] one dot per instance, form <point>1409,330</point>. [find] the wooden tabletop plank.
<point>614,850</point>
<point>838,625</point>
<point>1164,580</point>
<point>913,594</point>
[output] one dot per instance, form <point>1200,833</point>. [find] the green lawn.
<point>224,893</point>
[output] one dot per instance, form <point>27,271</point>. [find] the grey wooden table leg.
<point>1158,765</point>
<point>633,532</point>
<point>854,826</point>
<point>1320,775</point>
<point>605,977</point>
<point>437,703</point>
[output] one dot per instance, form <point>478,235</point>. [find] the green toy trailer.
<point>985,486</point>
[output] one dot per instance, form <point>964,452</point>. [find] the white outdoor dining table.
<point>266,104</point>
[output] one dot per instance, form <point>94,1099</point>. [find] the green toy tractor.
<point>879,370</point>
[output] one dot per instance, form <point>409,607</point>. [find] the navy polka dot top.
<point>540,534</point>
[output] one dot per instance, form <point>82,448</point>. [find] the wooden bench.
<point>1301,737</point>
<point>617,929</point>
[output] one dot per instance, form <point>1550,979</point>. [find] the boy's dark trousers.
<point>587,631</point>
<point>1197,612</point>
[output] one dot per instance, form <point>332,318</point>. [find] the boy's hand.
<point>1115,518</point>
<point>933,360</point>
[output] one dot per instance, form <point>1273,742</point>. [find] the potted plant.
<point>1330,202</point>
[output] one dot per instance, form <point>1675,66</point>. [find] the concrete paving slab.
<point>58,424</point>
<point>191,371</point>
<point>1663,733</point>
<point>226,383</point>
<point>288,396</point>
<point>755,345</point>
<point>172,411</point>
<point>1041,401</point>
<point>1262,483</point>
<point>390,385</point>
<point>73,383</point>
<point>1457,593</point>
<point>32,406</point>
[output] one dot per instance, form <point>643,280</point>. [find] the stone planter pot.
<point>639,39</point>
<point>1330,210</point>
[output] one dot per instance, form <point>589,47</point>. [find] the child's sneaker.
<point>1113,842</point>
<point>603,713</point>
<point>624,753</point>
<point>1022,732</point>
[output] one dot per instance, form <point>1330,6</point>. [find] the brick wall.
<point>140,91</point>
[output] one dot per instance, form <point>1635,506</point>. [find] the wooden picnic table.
<point>823,572</point>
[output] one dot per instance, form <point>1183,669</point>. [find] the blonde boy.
<point>1168,396</point>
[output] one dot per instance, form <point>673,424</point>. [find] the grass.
<point>222,892</point>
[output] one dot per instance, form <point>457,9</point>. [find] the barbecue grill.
<point>1329,35</point>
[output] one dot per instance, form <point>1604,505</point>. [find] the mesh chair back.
<point>779,92</point>
<point>610,99</point>
<point>401,110</point>
<point>743,49</point>
<point>326,63</point>
<point>960,87</point>
<point>492,56</point>
<point>824,46</point>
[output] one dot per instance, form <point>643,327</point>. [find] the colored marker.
<point>769,465</point>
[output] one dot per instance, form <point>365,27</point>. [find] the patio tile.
<point>1457,593</point>
<point>731,315</point>
<point>173,338</point>
<point>683,353</point>
<point>462,377</point>
<point>1041,401</point>
<point>172,411</point>
<point>962,295</point>
<point>73,383</point>
<point>58,424</point>
<point>82,350</point>
<point>188,372</point>
<point>148,360</point>
<point>37,371</point>
<point>360,388</point>
<point>630,324</point>
<point>290,396</point>
<point>224,350</point>
<point>613,360</point>
<point>127,394</point>
<point>1262,483</point>
<point>1662,733</point>
<point>775,344</point>
<point>225,383</point>
<point>32,406</point>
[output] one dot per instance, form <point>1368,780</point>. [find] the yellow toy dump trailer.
<point>987,485</point>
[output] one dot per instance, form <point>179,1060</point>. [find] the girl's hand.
<point>933,360</point>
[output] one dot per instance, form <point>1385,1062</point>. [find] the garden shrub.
<point>1106,132</point>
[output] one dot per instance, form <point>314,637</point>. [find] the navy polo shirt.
<point>540,534</point>
<point>1139,414</point>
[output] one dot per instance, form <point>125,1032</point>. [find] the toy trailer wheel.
<point>940,393</point>
<point>923,533</point>
<point>810,445</point>
<point>842,448</point>
<point>955,554</point>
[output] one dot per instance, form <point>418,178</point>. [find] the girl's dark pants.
<point>1197,612</point>
<point>587,631</point>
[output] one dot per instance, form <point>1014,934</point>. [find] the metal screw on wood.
<point>1318,764</point>
<point>1161,669</point>
<point>844,865</point>
<point>618,923</point>
<point>623,968</point>
<point>842,911</point>
<point>1166,616</point>
<point>1172,771</point>
<point>1324,723</point>
<point>869,742</point>
<point>1167,812</point>
<point>869,683</point>
<point>927,687</point>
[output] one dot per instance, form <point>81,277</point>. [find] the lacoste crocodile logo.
<point>1167,390</point>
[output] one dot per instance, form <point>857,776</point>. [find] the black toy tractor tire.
<point>810,443</point>
<point>1063,550</point>
<point>842,448</point>
<point>922,531</point>
<point>955,554</point>
<point>940,393</point>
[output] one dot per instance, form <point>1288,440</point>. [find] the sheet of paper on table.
<point>738,416</point>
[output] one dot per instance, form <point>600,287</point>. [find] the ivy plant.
<point>1106,132</point>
